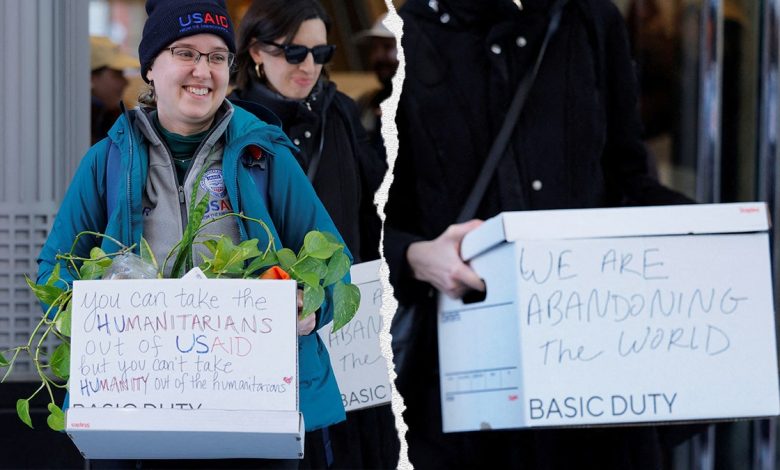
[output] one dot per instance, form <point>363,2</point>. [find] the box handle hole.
<point>474,296</point>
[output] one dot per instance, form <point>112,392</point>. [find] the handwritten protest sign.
<point>355,351</point>
<point>184,344</point>
<point>613,330</point>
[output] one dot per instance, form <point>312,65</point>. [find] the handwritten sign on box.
<point>184,344</point>
<point>355,350</point>
<point>591,324</point>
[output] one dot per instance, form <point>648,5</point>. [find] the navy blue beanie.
<point>170,20</point>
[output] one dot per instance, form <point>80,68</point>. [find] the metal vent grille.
<point>22,234</point>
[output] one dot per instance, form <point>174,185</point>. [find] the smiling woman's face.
<point>294,81</point>
<point>188,94</point>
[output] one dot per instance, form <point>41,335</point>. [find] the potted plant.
<point>319,264</point>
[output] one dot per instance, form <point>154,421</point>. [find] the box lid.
<point>142,433</point>
<point>616,222</point>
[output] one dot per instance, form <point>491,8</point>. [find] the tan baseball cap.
<point>378,30</point>
<point>105,53</point>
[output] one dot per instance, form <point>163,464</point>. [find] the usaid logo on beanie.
<point>195,20</point>
<point>171,20</point>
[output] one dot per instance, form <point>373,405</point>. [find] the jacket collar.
<point>291,111</point>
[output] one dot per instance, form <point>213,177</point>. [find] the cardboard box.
<point>613,316</point>
<point>356,351</point>
<point>184,368</point>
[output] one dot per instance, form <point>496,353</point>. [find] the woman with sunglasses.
<point>282,50</point>
<point>186,136</point>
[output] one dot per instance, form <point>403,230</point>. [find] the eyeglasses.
<point>295,53</point>
<point>192,56</point>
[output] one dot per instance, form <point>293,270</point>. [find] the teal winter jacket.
<point>292,209</point>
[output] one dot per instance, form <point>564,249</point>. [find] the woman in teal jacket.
<point>194,132</point>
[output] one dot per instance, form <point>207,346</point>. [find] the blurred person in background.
<point>108,64</point>
<point>383,61</point>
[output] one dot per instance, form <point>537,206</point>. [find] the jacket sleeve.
<point>372,168</point>
<point>626,159</point>
<point>401,213</point>
<point>82,209</point>
<point>296,211</point>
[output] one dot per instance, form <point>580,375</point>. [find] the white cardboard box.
<point>355,350</point>
<point>610,316</point>
<point>184,368</point>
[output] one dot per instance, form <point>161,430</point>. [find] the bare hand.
<point>306,325</point>
<point>438,262</point>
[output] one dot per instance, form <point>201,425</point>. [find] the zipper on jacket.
<point>242,228</point>
<point>129,195</point>
<point>182,208</point>
<point>182,195</point>
<point>179,187</point>
<point>131,143</point>
<point>125,225</point>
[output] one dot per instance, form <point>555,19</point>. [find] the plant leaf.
<point>261,262</point>
<point>331,238</point>
<point>337,268</point>
<point>313,296</point>
<point>23,411</point>
<point>308,279</point>
<point>346,300</point>
<point>193,224</point>
<point>99,256</point>
<point>55,275</point>
<point>3,361</point>
<point>64,320</point>
<point>211,246</point>
<point>317,246</point>
<point>60,361</point>
<point>91,270</point>
<point>249,249</point>
<point>239,255</point>
<point>286,258</point>
<point>311,265</point>
<point>225,250</point>
<point>196,215</point>
<point>56,419</point>
<point>147,254</point>
<point>45,293</point>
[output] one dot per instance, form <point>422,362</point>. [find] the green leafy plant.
<point>319,264</point>
<point>56,294</point>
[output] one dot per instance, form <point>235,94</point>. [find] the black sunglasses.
<point>295,54</point>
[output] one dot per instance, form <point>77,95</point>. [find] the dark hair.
<point>269,20</point>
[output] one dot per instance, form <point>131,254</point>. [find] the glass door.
<point>708,72</point>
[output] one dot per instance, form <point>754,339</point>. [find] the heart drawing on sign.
<point>512,397</point>
<point>287,379</point>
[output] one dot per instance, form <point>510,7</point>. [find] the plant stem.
<point>13,360</point>
<point>36,392</point>
<point>37,362</point>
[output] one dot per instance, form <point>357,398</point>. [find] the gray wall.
<point>44,131</point>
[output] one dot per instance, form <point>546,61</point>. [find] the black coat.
<point>576,145</point>
<point>348,172</point>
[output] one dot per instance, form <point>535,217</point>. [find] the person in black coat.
<point>575,145</point>
<point>282,51</point>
